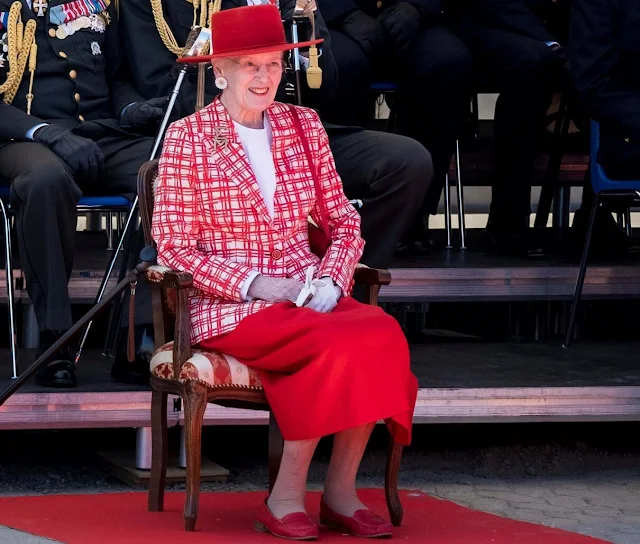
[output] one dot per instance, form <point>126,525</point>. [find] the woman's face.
<point>253,80</point>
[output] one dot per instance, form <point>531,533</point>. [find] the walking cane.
<point>148,256</point>
<point>191,39</point>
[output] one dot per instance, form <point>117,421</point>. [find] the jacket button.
<point>62,54</point>
<point>76,97</point>
<point>73,74</point>
<point>276,254</point>
<point>80,118</point>
<point>52,32</point>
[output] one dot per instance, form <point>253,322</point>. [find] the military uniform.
<point>517,56</point>
<point>605,67</point>
<point>406,42</point>
<point>76,86</point>
<point>389,173</point>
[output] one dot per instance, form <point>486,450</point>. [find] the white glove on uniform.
<point>320,295</point>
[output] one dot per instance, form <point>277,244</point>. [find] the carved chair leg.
<point>394,456</point>
<point>276,444</point>
<point>159,451</point>
<point>195,404</point>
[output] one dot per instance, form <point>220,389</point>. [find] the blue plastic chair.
<point>384,87</point>
<point>602,186</point>
<point>89,204</point>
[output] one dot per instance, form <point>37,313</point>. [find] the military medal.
<point>97,23</point>
<point>41,6</point>
<point>61,33</point>
<point>95,49</point>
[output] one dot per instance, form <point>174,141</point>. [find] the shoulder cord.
<point>22,48</point>
<point>169,40</point>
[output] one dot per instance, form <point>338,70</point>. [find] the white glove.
<point>326,296</point>
<point>320,295</point>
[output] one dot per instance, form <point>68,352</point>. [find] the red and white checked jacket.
<point>210,218</point>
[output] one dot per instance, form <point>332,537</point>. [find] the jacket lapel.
<point>227,152</point>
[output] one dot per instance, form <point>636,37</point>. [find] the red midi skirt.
<point>324,373</point>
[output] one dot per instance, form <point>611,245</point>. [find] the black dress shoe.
<point>417,241</point>
<point>138,371</point>
<point>60,371</point>
<point>520,244</point>
<point>607,239</point>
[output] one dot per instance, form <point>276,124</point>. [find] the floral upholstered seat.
<point>213,369</point>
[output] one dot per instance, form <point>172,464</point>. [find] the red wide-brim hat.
<point>247,30</point>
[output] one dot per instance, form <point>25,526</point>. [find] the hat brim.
<point>249,51</point>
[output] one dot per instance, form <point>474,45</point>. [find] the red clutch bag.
<point>319,236</point>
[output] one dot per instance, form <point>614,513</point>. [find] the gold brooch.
<point>220,137</point>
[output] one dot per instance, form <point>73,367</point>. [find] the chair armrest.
<point>371,276</point>
<point>177,326</point>
<point>169,278</point>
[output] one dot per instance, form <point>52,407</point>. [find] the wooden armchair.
<point>199,376</point>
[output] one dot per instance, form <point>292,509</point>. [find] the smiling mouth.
<point>259,90</point>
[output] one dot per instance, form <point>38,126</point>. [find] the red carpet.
<point>226,518</point>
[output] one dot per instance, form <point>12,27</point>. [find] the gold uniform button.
<point>52,32</point>
<point>63,54</point>
<point>73,74</point>
<point>378,4</point>
<point>80,117</point>
<point>76,97</point>
<point>276,254</point>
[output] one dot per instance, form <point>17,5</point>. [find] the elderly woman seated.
<point>237,183</point>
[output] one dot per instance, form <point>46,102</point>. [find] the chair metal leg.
<point>582,272</point>
<point>110,231</point>
<point>459,191</point>
<point>133,213</point>
<point>447,209</point>
<point>627,222</point>
<point>10,291</point>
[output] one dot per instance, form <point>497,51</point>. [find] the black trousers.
<point>434,79</point>
<point>391,175</point>
<point>44,194</point>
<point>524,71</point>
<point>624,169</point>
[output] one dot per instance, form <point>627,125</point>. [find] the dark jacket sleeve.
<point>314,98</point>
<point>116,70</point>
<point>14,123</point>
<point>434,6</point>
<point>333,10</point>
<point>596,70</point>
<point>509,15</point>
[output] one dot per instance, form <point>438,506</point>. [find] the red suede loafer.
<point>363,523</point>
<point>296,526</point>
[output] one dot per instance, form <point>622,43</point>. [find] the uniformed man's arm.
<point>433,6</point>
<point>510,15</point>
<point>314,98</point>
<point>116,70</point>
<point>334,10</point>
<point>595,67</point>
<point>16,124</point>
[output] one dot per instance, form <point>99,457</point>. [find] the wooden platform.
<point>461,381</point>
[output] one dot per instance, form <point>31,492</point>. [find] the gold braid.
<point>206,9</point>
<point>20,38</point>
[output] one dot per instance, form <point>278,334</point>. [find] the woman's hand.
<point>326,296</point>
<point>275,289</point>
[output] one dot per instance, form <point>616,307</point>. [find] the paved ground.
<point>606,506</point>
<point>9,536</point>
<point>579,478</point>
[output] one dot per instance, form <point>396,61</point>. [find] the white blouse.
<point>256,143</point>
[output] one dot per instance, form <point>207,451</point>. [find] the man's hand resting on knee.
<point>82,155</point>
